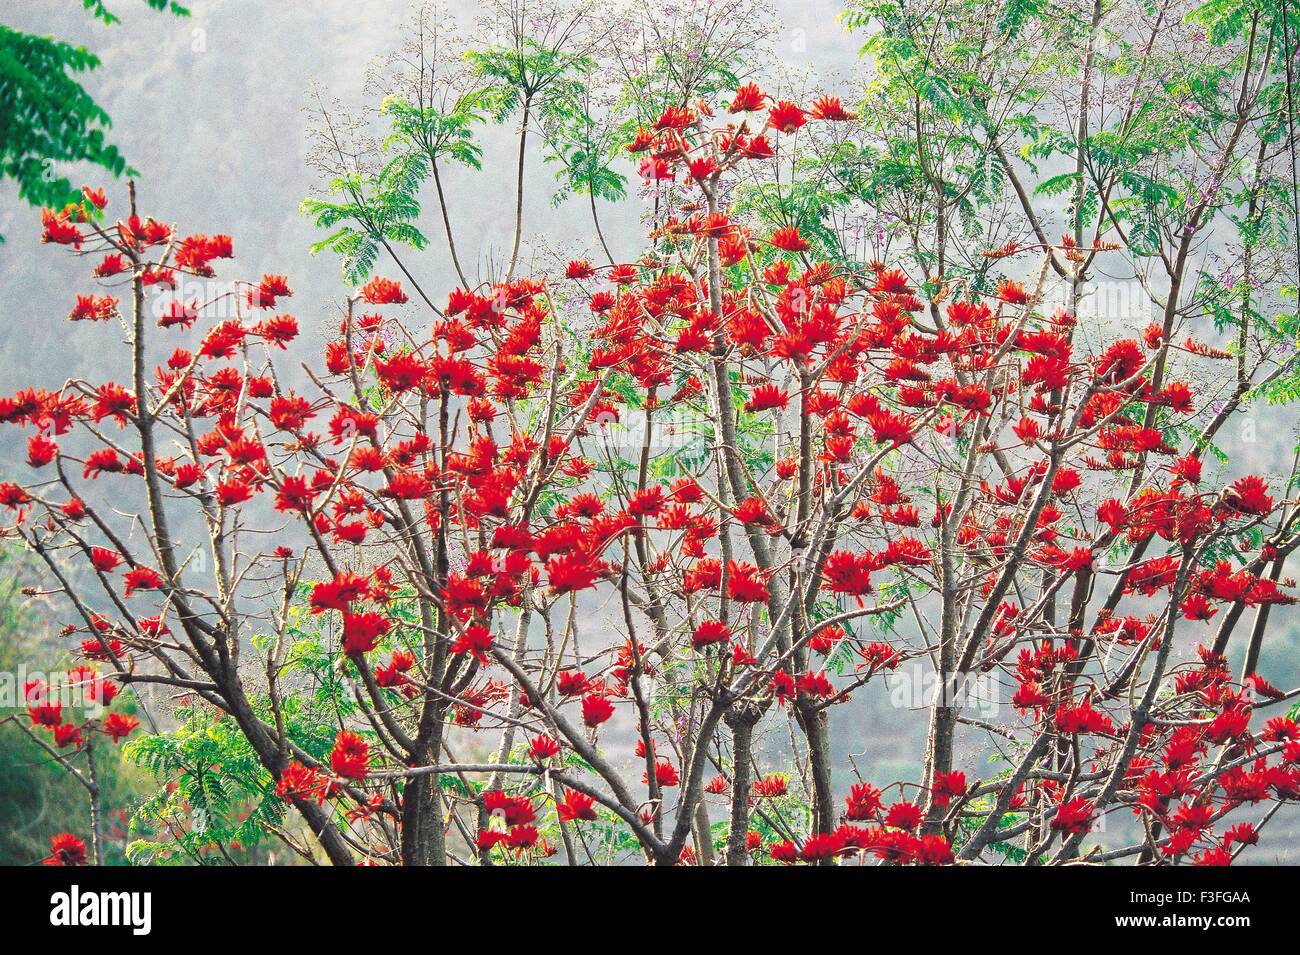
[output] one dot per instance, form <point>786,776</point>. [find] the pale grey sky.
<point>210,110</point>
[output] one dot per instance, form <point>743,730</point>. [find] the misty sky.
<point>211,111</point>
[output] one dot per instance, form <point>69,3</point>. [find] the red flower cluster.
<point>852,445</point>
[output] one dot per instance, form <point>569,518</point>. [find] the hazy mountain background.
<point>210,110</point>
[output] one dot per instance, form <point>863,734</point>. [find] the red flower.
<point>40,711</point>
<point>596,710</point>
<point>710,632</point>
<point>543,747</point>
<point>268,290</point>
<point>178,313</point>
<point>570,572</point>
<point>512,810</point>
<point>887,427</point>
<point>744,583</point>
<point>1082,718</point>
<point>1196,607</point>
<point>94,650</point>
<point>66,849</point>
<point>904,815</point>
<point>1120,361</point>
<point>232,493</point>
<point>58,230</point>
<point>948,786</point>
<point>1218,856</point>
<point>12,496</point>
<point>576,806</point>
<point>571,682</point>
<point>665,775</point>
<point>408,486</point>
<point>142,578</point>
<point>879,656</point>
<point>362,631</point>
<point>788,238</point>
<point>847,573</point>
<point>1112,512</point>
<point>69,734</point>
<point>277,330</point>
<point>382,291</point>
<point>786,116</point>
<point>814,684</point>
<point>830,108</point>
<point>1188,468</point>
<point>106,561</point>
<point>783,685</point>
<point>748,99</point>
<point>40,450</point>
<point>476,640</point>
<point>1248,496</point>
<point>394,674</point>
<point>295,494</point>
<point>402,372</point>
<point>1066,480</point>
<point>520,838</point>
<point>339,593</point>
<point>767,396</point>
<point>821,846</point>
<point>863,803</point>
<point>1074,817</point>
<point>118,726</point>
<point>1012,292</point>
<point>301,782</point>
<point>1231,724</point>
<point>1243,834</point>
<point>752,510</point>
<point>934,850</point>
<point>675,117</point>
<point>647,502</point>
<point>784,851</point>
<point>705,574</point>
<point>651,170</point>
<point>351,756</point>
<point>757,148</point>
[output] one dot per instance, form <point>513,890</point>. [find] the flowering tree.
<point>836,469</point>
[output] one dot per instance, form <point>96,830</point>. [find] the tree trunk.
<point>423,836</point>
